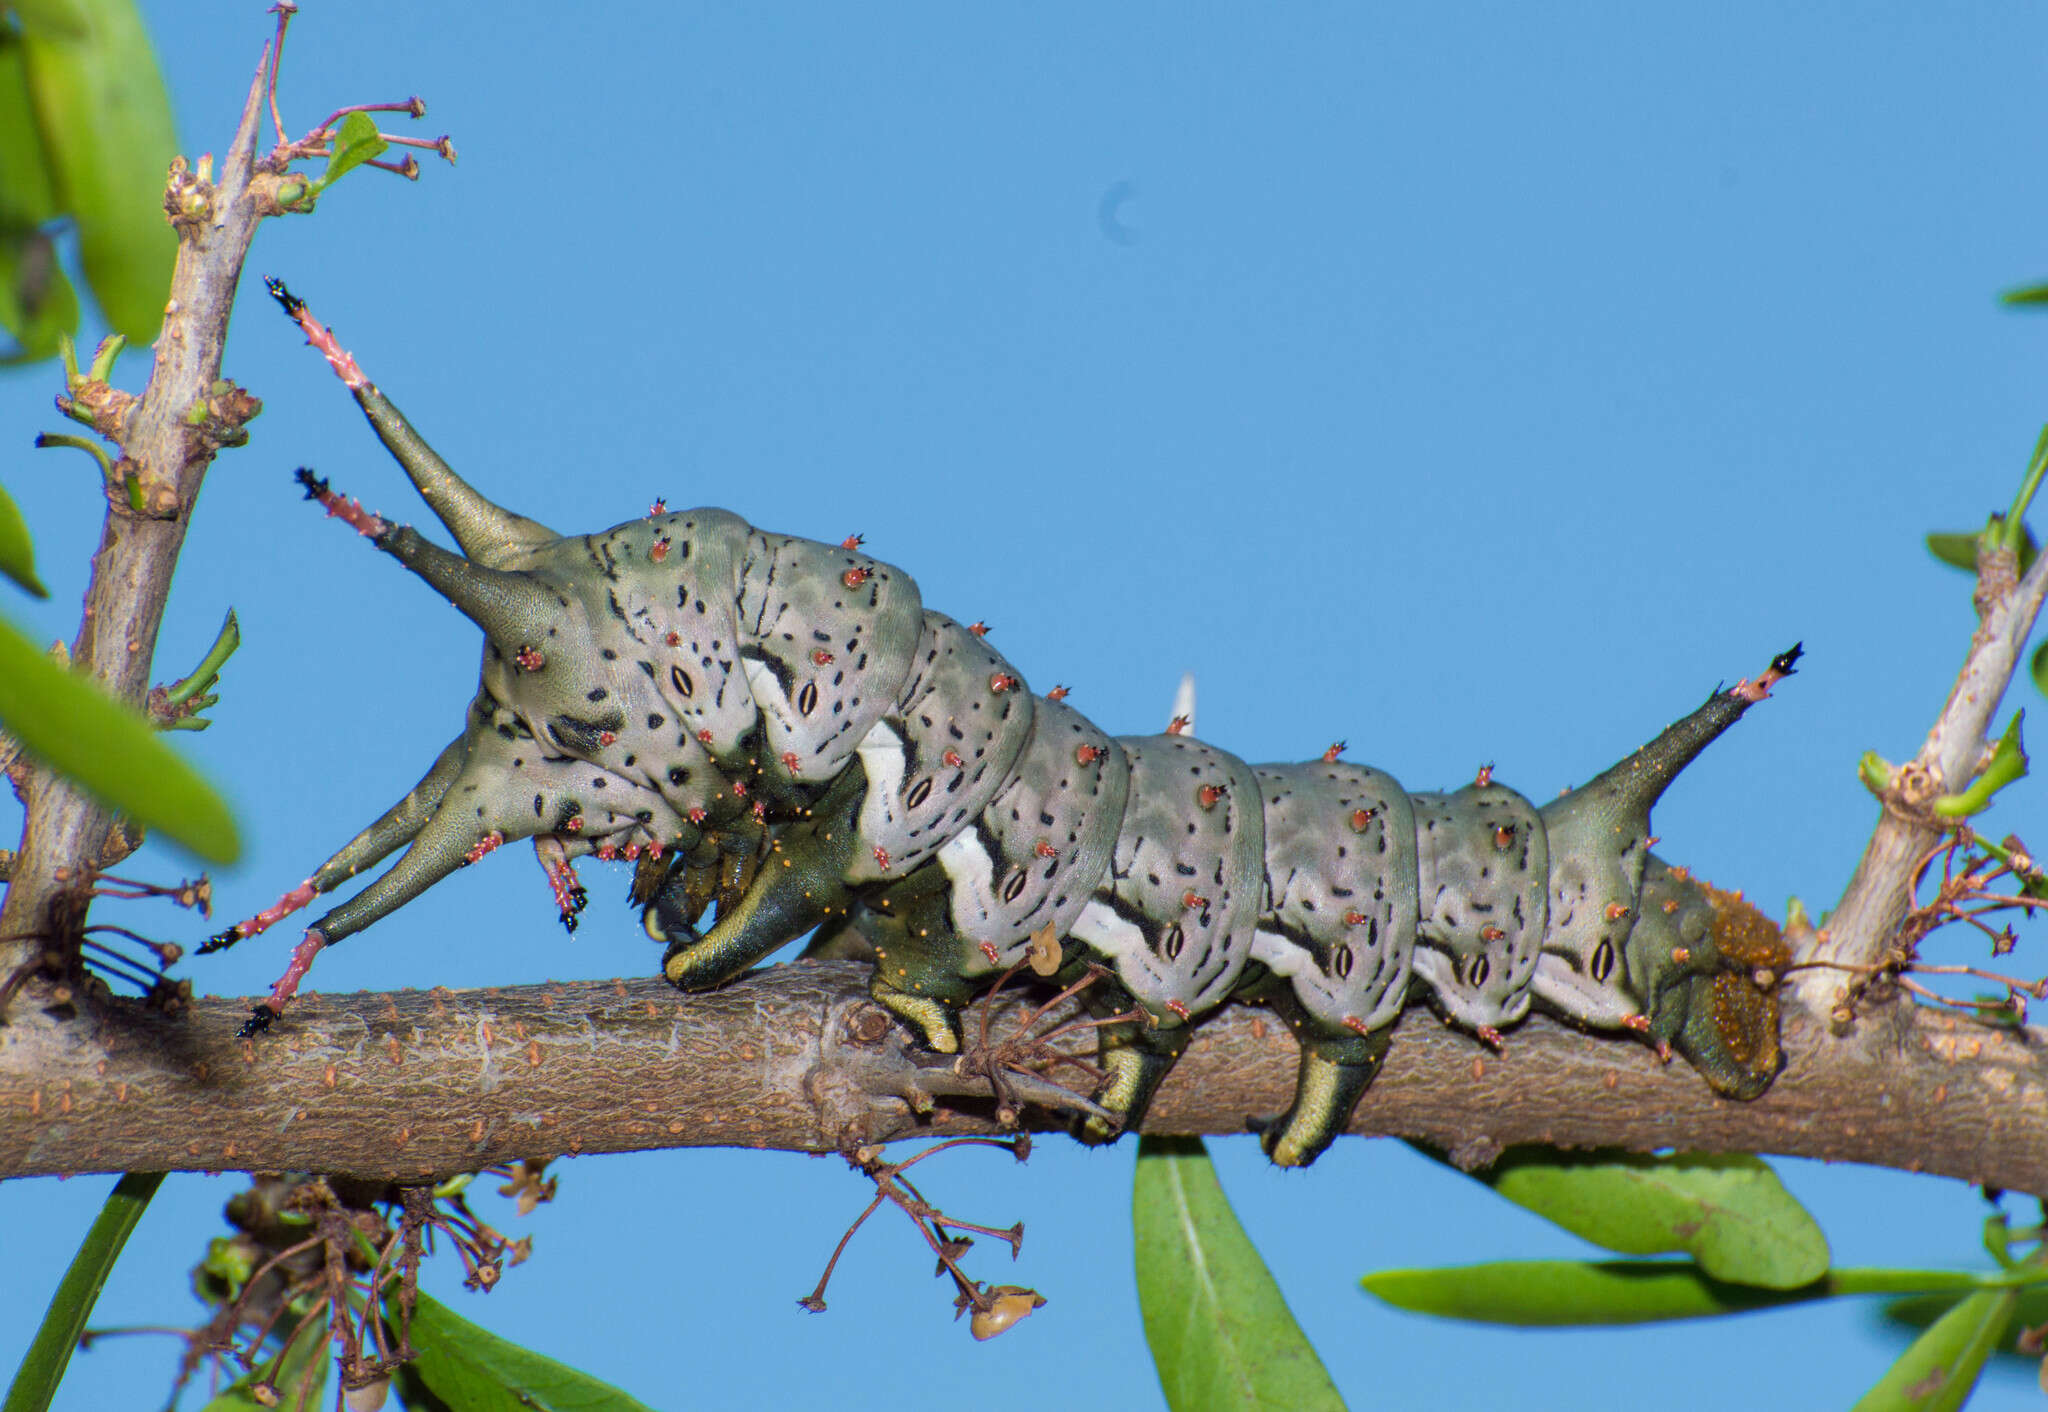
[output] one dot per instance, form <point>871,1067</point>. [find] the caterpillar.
<point>781,736</point>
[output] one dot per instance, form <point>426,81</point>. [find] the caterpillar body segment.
<point>801,744</point>
<point>1027,863</point>
<point>1482,865</point>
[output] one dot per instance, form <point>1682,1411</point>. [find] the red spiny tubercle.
<point>854,577</point>
<point>489,843</point>
<point>528,658</point>
<point>318,335</point>
<point>1335,749</point>
<point>348,511</point>
<point>302,961</point>
<point>1178,725</point>
<point>659,507</point>
<point>1485,776</point>
<point>978,628</point>
<point>1058,693</point>
<point>952,759</point>
<point>1208,794</point>
<point>789,761</point>
<point>853,541</point>
<point>276,912</point>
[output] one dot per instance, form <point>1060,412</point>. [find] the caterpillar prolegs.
<point>779,728</point>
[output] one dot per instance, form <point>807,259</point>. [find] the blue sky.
<point>1476,383</point>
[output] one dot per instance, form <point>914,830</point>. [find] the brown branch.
<point>166,438</point>
<point>421,1084</point>
<point>64,828</point>
<point>1880,894</point>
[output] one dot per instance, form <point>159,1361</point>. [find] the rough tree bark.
<point>423,1084</point>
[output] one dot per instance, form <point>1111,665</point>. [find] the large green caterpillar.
<point>779,726</point>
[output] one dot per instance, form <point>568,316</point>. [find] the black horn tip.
<point>260,1019</point>
<point>288,301</point>
<point>1782,664</point>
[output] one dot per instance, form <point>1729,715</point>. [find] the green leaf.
<point>2026,294</point>
<point>17,553</point>
<point>1730,1213</point>
<point>107,138</point>
<point>1957,548</point>
<point>469,1367</point>
<point>1564,1293</point>
<point>2039,668</point>
<point>1938,1371</point>
<point>356,143</point>
<point>79,731</point>
<point>1221,1335</point>
<point>1918,1311</point>
<point>35,1382</point>
<point>2008,763</point>
<point>27,198</point>
<point>38,306</point>
<point>300,1376</point>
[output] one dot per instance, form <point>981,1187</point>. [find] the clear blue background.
<point>1473,383</point>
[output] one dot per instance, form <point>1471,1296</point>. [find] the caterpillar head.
<point>1708,965</point>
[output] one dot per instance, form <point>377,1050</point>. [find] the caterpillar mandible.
<point>778,729</point>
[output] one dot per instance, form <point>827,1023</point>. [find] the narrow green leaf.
<point>1221,1335</point>
<point>1730,1213</point>
<point>80,732</point>
<point>35,1382</point>
<point>1958,548</point>
<point>1563,1293</point>
<point>354,144</point>
<point>2026,294</point>
<point>300,1378</point>
<point>105,123</point>
<point>2008,763</point>
<point>27,197</point>
<point>1938,1371</point>
<point>472,1368</point>
<point>2039,668</point>
<point>17,553</point>
<point>1919,1311</point>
